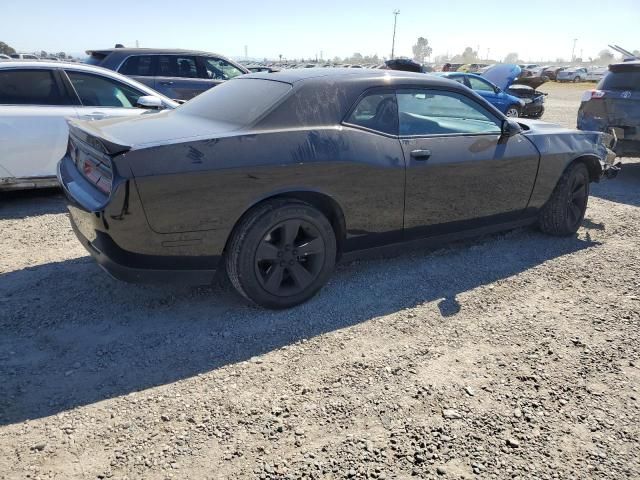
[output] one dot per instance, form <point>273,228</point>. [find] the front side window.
<point>376,111</point>
<point>479,84</point>
<point>219,69</point>
<point>97,91</point>
<point>430,112</point>
<point>30,87</point>
<point>177,66</point>
<point>138,65</point>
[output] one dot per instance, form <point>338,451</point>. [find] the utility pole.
<point>246,52</point>
<point>393,43</point>
<point>573,50</point>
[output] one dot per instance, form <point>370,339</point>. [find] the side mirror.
<point>150,102</point>
<point>498,89</point>
<point>510,128</point>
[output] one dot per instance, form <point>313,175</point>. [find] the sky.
<point>536,30</point>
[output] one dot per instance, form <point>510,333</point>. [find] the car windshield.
<point>240,102</point>
<point>621,81</point>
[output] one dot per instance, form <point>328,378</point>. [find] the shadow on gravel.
<point>72,336</point>
<point>625,188</point>
<point>29,203</point>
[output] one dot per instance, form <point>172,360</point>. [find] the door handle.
<point>421,154</point>
<point>166,83</point>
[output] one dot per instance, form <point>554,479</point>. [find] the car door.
<point>461,172</point>
<point>179,77</point>
<point>34,106</point>
<point>103,97</point>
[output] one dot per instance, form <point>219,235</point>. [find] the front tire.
<point>281,253</point>
<point>564,212</point>
<point>513,111</point>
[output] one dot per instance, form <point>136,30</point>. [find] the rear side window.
<point>478,84</point>
<point>240,102</point>
<point>621,81</point>
<point>177,66</point>
<point>376,111</point>
<point>96,91</point>
<point>30,87</point>
<point>138,65</point>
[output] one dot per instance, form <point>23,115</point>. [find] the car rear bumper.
<point>112,240</point>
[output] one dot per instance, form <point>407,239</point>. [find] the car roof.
<point>355,75</point>
<point>167,51</point>
<point>53,64</point>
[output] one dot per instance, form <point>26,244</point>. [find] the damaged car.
<point>614,107</point>
<point>508,78</point>
<point>274,177</point>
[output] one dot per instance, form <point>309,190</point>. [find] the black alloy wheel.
<point>564,211</point>
<point>281,253</point>
<point>290,257</point>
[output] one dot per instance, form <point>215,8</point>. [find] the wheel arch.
<point>592,162</point>
<point>320,200</point>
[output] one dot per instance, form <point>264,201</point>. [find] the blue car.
<point>510,105</point>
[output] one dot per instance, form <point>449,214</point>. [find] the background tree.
<point>421,50</point>
<point>61,55</point>
<point>511,58</point>
<point>468,56</point>
<point>6,49</point>
<point>605,56</point>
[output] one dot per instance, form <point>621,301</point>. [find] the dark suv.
<point>614,106</point>
<point>178,74</point>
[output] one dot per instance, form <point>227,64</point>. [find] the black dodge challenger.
<point>274,177</point>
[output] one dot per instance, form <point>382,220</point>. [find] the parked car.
<point>24,56</point>
<point>256,69</point>
<point>614,106</point>
<point>259,178</point>
<point>177,74</point>
<point>551,72</point>
<point>508,78</point>
<point>4,57</point>
<point>595,74</point>
<point>572,74</point>
<point>510,105</point>
<point>35,100</point>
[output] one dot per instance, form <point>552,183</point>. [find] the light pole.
<point>573,50</point>
<point>395,21</point>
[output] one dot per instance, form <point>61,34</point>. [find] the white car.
<point>24,56</point>
<point>4,57</point>
<point>595,74</point>
<point>36,98</point>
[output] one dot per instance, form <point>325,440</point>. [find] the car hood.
<point>550,138</point>
<point>155,129</point>
<point>502,74</point>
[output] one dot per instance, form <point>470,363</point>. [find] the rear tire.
<point>576,79</point>
<point>564,211</point>
<point>281,253</point>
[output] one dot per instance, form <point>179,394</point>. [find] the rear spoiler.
<point>82,131</point>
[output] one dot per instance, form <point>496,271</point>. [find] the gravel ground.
<point>512,356</point>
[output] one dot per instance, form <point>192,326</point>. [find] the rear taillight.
<point>94,166</point>
<point>592,95</point>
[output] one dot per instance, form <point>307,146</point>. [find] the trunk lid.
<point>152,129</point>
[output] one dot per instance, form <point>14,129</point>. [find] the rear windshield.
<point>95,58</point>
<point>240,102</point>
<point>621,81</point>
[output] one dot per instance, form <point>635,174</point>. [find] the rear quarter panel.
<point>208,185</point>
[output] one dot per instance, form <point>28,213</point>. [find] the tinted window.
<point>424,112</point>
<point>140,65</point>
<point>96,91</point>
<point>30,87</point>
<point>177,66</point>
<point>621,81</point>
<point>219,69</point>
<point>377,111</point>
<point>240,102</point>
<point>478,84</point>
